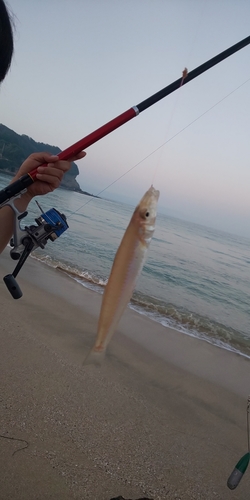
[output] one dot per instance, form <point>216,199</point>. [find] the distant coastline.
<point>15,148</point>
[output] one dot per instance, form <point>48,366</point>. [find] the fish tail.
<point>95,357</point>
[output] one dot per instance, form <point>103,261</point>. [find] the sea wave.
<point>167,314</point>
<point>192,324</point>
<point>81,276</point>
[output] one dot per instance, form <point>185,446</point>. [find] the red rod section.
<point>94,136</point>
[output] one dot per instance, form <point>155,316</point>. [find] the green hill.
<point>15,148</point>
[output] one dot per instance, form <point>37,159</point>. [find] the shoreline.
<point>163,417</point>
<point>235,344</point>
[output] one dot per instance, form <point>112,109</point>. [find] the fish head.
<point>146,212</point>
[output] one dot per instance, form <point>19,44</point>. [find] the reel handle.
<point>13,286</point>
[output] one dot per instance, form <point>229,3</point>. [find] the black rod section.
<point>15,188</point>
<point>193,74</point>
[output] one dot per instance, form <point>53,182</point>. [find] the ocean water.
<point>195,280</point>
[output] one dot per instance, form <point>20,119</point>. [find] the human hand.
<point>48,177</point>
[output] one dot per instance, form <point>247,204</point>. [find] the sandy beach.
<point>164,417</point>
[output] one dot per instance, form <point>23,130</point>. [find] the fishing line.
<point>161,146</point>
<point>184,75</point>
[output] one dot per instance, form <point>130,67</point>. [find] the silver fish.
<point>128,263</point>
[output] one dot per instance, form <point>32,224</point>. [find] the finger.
<point>78,156</point>
<point>64,166</point>
<point>48,173</point>
<point>55,169</point>
<point>53,181</point>
<point>59,164</point>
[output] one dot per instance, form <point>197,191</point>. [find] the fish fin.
<point>94,358</point>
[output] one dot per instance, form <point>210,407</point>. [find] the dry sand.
<point>164,417</point>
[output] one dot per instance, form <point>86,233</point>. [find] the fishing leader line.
<point>184,75</point>
<point>161,146</point>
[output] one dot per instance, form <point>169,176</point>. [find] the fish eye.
<point>147,214</point>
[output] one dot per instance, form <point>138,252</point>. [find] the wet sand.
<point>164,417</point>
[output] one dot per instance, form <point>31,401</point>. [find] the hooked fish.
<point>128,263</point>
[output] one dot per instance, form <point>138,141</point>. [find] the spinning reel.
<point>50,225</point>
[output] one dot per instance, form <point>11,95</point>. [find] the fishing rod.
<point>27,179</point>
<point>52,224</point>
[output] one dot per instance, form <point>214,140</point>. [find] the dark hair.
<point>6,41</point>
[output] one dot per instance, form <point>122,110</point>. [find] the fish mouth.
<point>153,192</point>
<point>150,198</point>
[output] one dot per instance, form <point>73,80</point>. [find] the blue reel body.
<point>55,218</point>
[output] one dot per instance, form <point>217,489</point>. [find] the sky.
<point>80,63</point>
